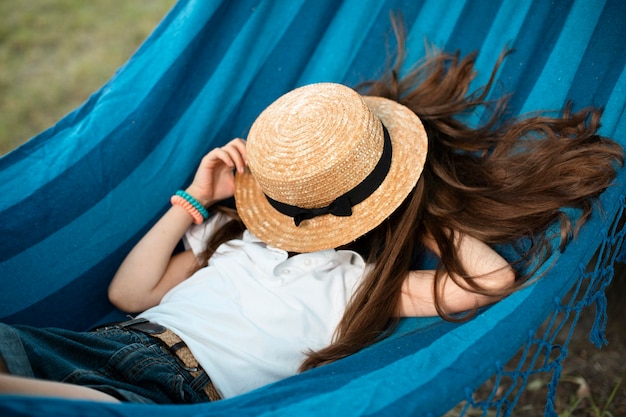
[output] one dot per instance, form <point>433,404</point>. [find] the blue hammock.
<point>78,196</point>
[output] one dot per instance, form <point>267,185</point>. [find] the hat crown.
<point>314,144</point>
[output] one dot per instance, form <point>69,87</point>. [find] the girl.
<point>337,193</point>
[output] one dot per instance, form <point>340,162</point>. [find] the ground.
<point>593,381</point>
<point>592,377</point>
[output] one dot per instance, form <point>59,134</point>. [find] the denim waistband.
<point>175,345</point>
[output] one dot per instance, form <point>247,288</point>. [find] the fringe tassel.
<point>597,334</point>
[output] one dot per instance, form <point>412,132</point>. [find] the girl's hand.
<point>149,270</point>
<point>215,177</point>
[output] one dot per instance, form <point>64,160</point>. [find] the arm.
<point>149,270</point>
<point>492,272</point>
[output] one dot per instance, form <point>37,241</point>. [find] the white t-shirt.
<point>253,312</point>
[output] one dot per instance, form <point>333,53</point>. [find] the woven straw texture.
<point>316,143</point>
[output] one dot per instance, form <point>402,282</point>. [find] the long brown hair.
<point>505,180</point>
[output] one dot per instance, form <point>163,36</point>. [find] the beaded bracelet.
<point>179,201</point>
<point>194,203</point>
<point>191,205</point>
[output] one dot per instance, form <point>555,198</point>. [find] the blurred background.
<point>55,53</point>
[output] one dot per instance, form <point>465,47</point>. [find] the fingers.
<point>236,149</point>
<point>233,154</point>
<point>214,177</point>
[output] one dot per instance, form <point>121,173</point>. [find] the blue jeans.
<point>124,363</point>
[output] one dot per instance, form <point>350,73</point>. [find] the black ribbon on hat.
<point>342,206</point>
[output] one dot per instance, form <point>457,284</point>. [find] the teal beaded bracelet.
<point>203,211</point>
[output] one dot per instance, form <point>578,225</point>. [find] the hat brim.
<point>409,147</point>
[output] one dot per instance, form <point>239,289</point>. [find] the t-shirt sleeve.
<point>198,235</point>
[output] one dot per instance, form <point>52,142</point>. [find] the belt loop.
<point>175,346</point>
<point>178,348</point>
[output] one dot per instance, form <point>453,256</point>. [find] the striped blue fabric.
<point>78,196</point>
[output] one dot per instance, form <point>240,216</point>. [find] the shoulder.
<point>197,235</point>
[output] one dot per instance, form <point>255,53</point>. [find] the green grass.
<point>584,403</point>
<point>55,53</point>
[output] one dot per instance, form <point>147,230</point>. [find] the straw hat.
<point>319,172</point>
